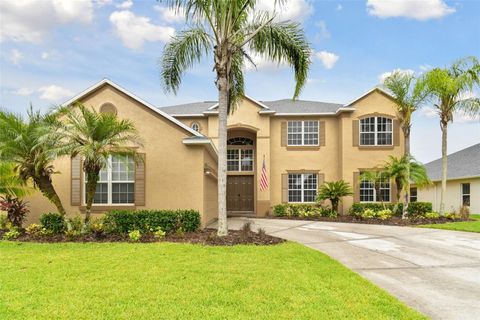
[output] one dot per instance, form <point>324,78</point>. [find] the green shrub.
<point>384,214</point>
<point>96,226</point>
<point>53,223</point>
<point>414,208</point>
<point>3,221</point>
<point>302,210</point>
<point>368,214</point>
<point>135,235</point>
<point>34,229</point>
<point>431,215</point>
<point>74,225</point>
<point>12,234</point>
<point>123,221</point>
<point>452,215</point>
<point>419,208</point>
<point>16,209</point>
<point>159,234</point>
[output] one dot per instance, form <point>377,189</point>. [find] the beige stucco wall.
<point>174,177</point>
<point>453,199</point>
<point>210,200</point>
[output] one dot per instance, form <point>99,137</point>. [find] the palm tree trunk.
<point>91,187</point>
<point>444,125</point>
<point>334,205</point>
<point>407,187</point>
<point>46,187</point>
<point>222,84</point>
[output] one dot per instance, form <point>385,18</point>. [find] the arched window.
<point>240,141</point>
<point>195,126</point>
<point>108,108</point>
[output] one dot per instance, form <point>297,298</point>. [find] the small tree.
<point>22,143</point>
<point>10,183</point>
<point>94,137</point>
<point>334,191</point>
<point>404,170</point>
<point>16,209</point>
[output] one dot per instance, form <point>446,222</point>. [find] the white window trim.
<point>109,182</point>
<point>303,134</point>
<point>239,150</point>
<point>375,200</point>
<point>375,132</point>
<point>195,124</point>
<point>302,188</point>
<point>465,194</point>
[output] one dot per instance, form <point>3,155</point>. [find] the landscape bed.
<point>184,281</point>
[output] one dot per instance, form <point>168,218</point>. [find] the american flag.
<point>263,178</point>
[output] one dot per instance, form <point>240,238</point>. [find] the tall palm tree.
<point>10,183</point>
<point>449,90</point>
<point>94,137</point>
<point>408,95</point>
<point>228,30</point>
<point>21,143</point>
<point>404,169</point>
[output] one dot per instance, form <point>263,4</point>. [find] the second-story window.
<point>303,133</point>
<point>376,131</point>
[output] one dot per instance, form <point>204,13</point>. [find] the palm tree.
<point>94,137</point>
<point>230,30</point>
<point>21,143</point>
<point>375,177</point>
<point>449,89</point>
<point>404,170</point>
<point>10,183</point>
<point>334,191</point>
<point>408,95</point>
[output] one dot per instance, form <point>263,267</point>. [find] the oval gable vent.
<point>108,108</point>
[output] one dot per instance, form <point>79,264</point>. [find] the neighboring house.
<point>301,144</point>
<point>463,181</point>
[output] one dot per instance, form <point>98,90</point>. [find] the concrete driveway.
<point>434,271</point>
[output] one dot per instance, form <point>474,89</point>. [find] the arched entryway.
<point>241,147</point>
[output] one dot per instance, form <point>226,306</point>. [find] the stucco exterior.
<point>181,164</point>
<point>453,200</point>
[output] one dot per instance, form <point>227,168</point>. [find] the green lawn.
<point>470,226</point>
<point>182,281</point>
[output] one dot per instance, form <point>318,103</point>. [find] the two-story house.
<point>299,144</point>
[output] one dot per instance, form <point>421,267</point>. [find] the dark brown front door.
<point>240,193</point>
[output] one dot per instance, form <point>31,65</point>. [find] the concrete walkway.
<point>434,271</point>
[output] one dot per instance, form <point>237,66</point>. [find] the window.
<point>302,187</point>
<point>465,194</point>
<point>413,194</point>
<point>195,126</point>
<point>240,159</point>
<point>368,194</point>
<point>240,141</point>
<point>116,184</point>
<point>302,133</point>
<point>376,131</point>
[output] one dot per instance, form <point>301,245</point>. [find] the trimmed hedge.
<point>414,208</point>
<point>124,221</point>
<point>302,210</point>
<point>53,222</point>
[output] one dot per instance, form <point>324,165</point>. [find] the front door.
<point>240,193</point>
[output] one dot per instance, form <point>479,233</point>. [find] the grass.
<point>470,226</point>
<point>183,281</point>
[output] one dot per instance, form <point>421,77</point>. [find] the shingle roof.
<point>279,106</point>
<point>462,164</point>
<point>189,108</point>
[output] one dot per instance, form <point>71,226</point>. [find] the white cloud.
<point>414,9</point>
<point>263,63</point>
<point>101,3</point>
<point>54,93</point>
<point>170,15</point>
<point>45,55</point>
<point>125,5</point>
<point>295,10</point>
<point>23,91</point>
<point>339,7</point>
<point>323,32</point>
<point>15,57</point>
<point>328,59</point>
<point>31,20</point>
<point>387,74</point>
<point>425,67</point>
<point>134,30</point>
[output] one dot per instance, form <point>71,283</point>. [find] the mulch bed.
<point>394,221</point>
<point>203,237</point>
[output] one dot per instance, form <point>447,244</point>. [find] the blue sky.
<point>53,49</point>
